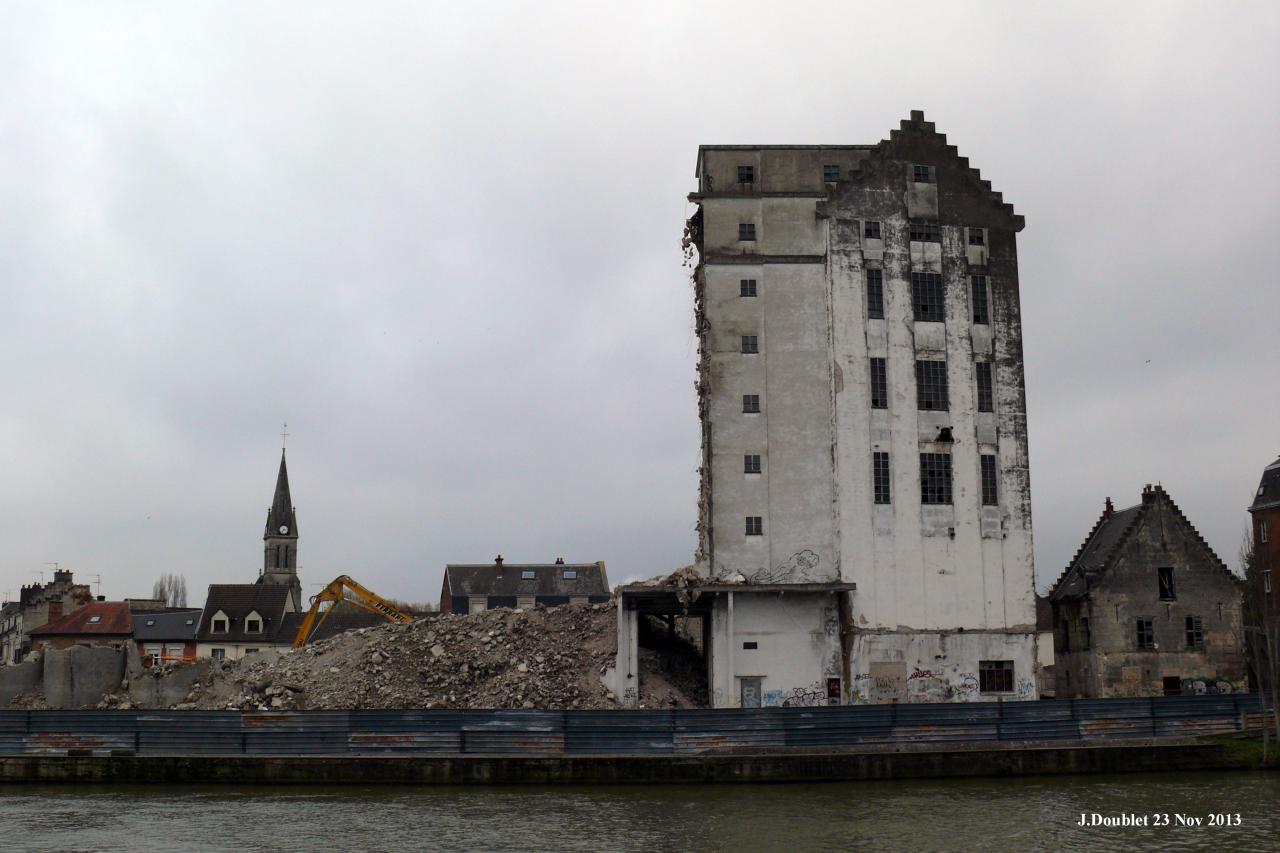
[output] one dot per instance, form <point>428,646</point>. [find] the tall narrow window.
<point>989,491</point>
<point>751,463</point>
<point>871,229</point>
<point>1262,530</point>
<point>1086,635</point>
<point>750,404</point>
<point>931,386</point>
<point>1146,634</point>
<point>879,384</point>
<point>935,478</point>
<point>983,369</point>
<point>1195,633</point>
<point>927,299</point>
<point>880,476</point>
<point>1266,582</point>
<point>755,525</point>
<point>750,344</point>
<point>281,557</point>
<point>981,309</point>
<point>875,295</point>
<point>747,287</point>
<point>746,231</point>
<point>1167,590</point>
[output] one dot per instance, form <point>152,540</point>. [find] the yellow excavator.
<point>336,593</point>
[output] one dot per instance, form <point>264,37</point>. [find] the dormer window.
<point>220,623</point>
<point>527,575</point>
<point>253,623</point>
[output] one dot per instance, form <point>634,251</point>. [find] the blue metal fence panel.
<point>838,726</point>
<point>729,730</point>
<point>620,732</point>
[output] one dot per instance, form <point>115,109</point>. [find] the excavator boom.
<point>336,592</point>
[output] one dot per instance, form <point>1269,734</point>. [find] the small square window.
<point>995,676</point>
<point>570,574</point>
<point>755,525</point>
<point>747,287</point>
<point>750,344</point>
<point>218,654</point>
<point>219,626</point>
<point>925,231</point>
<point>875,294</point>
<point>921,174</point>
<point>977,237</point>
<point>746,231</point>
<point>750,404</point>
<point>528,575</point>
<point>830,174</point>
<point>746,174</point>
<point>751,463</point>
<point>871,229</point>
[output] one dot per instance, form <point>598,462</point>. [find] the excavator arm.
<point>336,592</point>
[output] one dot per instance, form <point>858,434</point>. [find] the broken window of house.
<point>751,404</point>
<point>750,344</point>
<point>931,386</point>
<point>879,384</point>
<point>747,287</point>
<point>989,480</point>
<point>1146,634</point>
<point>871,229</point>
<point>1195,633</point>
<point>746,174</point>
<point>983,372</point>
<point>830,174</point>
<point>927,300</point>
<point>875,297</point>
<point>925,231</point>
<point>880,477</point>
<point>977,237</point>
<point>921,174</point>
<point>746,231</point>
<point>1167,592</point>
<point>935,478</point>
<point>755,525</point>
<point>981,309</point>
<point>995,676</point>
<point>751,463</point>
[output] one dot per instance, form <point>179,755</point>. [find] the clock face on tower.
<point>284,528</point>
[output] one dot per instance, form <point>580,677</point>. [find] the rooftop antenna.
<point>39,572</point>
<point>97,581</point>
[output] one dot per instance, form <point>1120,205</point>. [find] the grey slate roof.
<point>176,625</point>
<point>238,600</point>
<point>509,579</point>
<point>1268,493</point>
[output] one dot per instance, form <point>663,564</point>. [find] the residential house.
<point>39,604</point>
<point>166,636</point>
<point>1264,515</point>
<point>470,588</point>
<point>239,619</point>
<point>100,623</point>
<point>1146,608</point>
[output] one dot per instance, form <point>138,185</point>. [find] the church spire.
<point>280,519</point>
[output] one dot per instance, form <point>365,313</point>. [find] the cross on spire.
<point>284,435</point>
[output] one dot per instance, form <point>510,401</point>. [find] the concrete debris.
<point>549,658</point>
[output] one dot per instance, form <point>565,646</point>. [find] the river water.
<point>1027,813</point>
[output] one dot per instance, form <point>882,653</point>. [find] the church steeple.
<point>280,540</point>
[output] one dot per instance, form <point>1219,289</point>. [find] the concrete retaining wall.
<point>81,675</point>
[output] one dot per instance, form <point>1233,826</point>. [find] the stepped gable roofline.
<point>917,126</point>
<point>1108,537</point>
<point>281,512</point>
<point>113,618</point>
<point>1267,495</point>
<point>501,578</point>
<point>238,600</point>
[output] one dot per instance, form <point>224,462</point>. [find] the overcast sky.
<point>443,243</point>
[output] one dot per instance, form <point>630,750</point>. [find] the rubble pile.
<point>549,658</point>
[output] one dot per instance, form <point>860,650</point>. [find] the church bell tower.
<point>280,541</point>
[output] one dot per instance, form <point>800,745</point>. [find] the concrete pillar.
<point>628,656</point>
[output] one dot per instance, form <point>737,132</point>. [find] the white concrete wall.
<point>936,667</point>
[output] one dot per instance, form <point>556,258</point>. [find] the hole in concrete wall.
<point>673,667</point>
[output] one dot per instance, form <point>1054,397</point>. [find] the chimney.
<point>1108,509</point>
<point>497,561</point>
<point>559,561</point>
<point>1147,494</point>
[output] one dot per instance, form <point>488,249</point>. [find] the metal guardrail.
<point>666,732</point>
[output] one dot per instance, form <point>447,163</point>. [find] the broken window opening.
<point>995,676</point>
<point>1195,633</point>
<point>830,174</point>
<point>746,174</point>
<point>1167,591</point>
<point>925,231</point>
<point>935,478</point>
<point>981,307</point>
<point>928,302</point>
<point>1146,634</point>
<point>931,386</point>
<point>879,383</point>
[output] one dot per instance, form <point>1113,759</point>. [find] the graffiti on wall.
<point>1207,687</point>
<point>812,696</point>
<point>800,567</point>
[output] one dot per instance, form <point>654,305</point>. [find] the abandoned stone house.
<point>864,485</point>
<point>38,604</point>
<point>470,588</point>
<point>1146,608</point>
